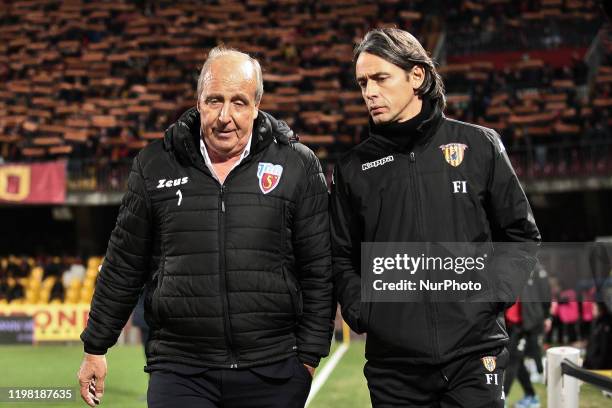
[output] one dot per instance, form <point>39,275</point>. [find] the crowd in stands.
<point>47,280</point>
<point>98,80</point>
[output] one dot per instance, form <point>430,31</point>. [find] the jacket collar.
<point>183,136</point>
<point>423,133</point>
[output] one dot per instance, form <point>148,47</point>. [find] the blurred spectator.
<point>568,315</point>
<point>16,291</point>
<point>55,268</point>
<point>57,291</point>
<point>527,320</point>
<point>587,310</point>
<point>17,268</point>
<point>4,287</point>
<point>76,271</point>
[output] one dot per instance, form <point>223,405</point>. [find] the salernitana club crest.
<point>453,153</point>
<point>269,175</point>
<point>489,363</point>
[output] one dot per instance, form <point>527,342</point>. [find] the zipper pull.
<point>222,200</point>
<point>412,158</point>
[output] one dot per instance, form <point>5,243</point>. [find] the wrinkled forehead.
<point>230,74</point>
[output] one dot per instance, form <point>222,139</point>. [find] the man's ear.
<point>417,76</point>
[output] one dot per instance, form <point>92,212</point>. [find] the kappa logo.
<point>453,153</point>
<point>489,363</point>
<point>376,163</point>
<point>269,176</point>
<point>163,183</point>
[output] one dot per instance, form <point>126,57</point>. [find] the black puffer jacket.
<point>236,277</point>
<point>421,193</point>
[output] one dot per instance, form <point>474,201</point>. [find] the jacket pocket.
<point>155,297</point>
<point>295,293</point>
<point>290,282</point>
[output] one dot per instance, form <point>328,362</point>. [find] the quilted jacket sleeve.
<point>346,247</point>
<point>313,258</point>
<point>124,271</point>
<point>511,221</point>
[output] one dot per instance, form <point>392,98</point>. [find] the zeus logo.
<point>491,379</point>
<point>459,187</point>
<point>172,183</point>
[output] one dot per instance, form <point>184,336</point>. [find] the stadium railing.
<point>564,375</point>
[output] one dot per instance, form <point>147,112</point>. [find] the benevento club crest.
<point>269,175</point>
<point>489,363</point>
<point>453,153</point>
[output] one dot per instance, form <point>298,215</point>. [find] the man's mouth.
<point>377,110</point>
<point>225,132</point>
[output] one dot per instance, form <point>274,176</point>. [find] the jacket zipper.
<point>223,279</point>
<point>223,276</point>
<point>430,306</point>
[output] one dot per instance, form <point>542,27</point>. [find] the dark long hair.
<point>401,48</point>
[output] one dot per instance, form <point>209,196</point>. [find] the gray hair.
<point>401,48</point>
<point>221,51</point>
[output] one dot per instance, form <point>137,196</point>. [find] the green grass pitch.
<point>126,384</point>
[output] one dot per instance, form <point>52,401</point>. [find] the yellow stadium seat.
<point>94,262</point>
<point>89,283</point>
<point>75,284</point>
<point>49,282</point>
<point>37,273</point>
<point>31,296</point>
<point>35,286</point>
<point>86,295</point>
<point>73,293</point>
<point>43,296</point>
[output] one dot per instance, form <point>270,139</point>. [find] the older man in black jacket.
<point>225,221</point>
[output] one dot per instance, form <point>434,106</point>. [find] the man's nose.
<point>225,114</point>
<point>371,90</point>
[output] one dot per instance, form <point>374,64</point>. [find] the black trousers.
<point>280,385</point>
<point>465,382</point>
